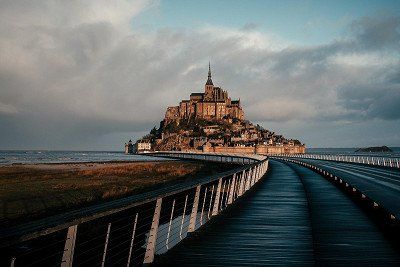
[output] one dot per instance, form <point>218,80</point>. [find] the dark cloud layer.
<point>76,75</point>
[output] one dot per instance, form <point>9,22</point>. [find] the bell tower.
<point>209,87</point>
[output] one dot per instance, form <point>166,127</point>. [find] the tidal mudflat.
<point>32,191</point>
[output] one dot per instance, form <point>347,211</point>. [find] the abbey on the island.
<point>212,122</point>
<point>214,103</point>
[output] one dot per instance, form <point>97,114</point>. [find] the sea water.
<point>352,152</point>
<point>46,156</point>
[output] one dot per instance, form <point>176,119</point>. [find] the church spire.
<point>209,80</point>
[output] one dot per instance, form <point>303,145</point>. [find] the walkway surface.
<point>343,234</point>
<point>379,183</point>
<point>270,226</point>
<point>294,217</point>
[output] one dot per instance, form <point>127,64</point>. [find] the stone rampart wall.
<point>262,150</point>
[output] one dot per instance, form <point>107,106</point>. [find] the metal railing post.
<point>193,215</point>
<point>253,181</point>
<point>12,263</point>
<point>227,192</point>
<point>151,243</point>
<point>211,199</point>
<point>202,208</point>
<point>132,239</point>
<point>231,189</point>
<point>222,195</point>
<point>69,247</point>
<point>217,196</point>
<point>248,180</point>
<point>170,223</point>
<point>242,183</point>
<point>103,261</point>
<point>183,217</point>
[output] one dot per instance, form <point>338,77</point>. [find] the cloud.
<point>376,101</point>
<point>73,73</point>
<point>7,109</point>
<point>249,26</point>
<point>377,32</point>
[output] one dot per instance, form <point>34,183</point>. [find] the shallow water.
<point>46,156</point>
<point>351,151</point>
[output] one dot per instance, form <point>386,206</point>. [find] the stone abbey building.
<point>212,122</point>
<point>214,103</point>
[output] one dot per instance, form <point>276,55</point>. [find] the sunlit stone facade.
<point>214,103</point>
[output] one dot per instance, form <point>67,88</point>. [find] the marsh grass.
<point>29,192</point>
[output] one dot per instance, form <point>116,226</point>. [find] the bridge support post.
<point>183,217</point>
<point>202,208</point>
<point>217,197</point>
<point>170,224</point>
<point>262,169</point>
<point>242,181</point>
<point>248,180</point>
<point>237,185</point>
<point>193,215</point>
<point>252,176</point>
<point>211,199</point>
<point>265,167</point>
<point>69,247</point>
<point>231,190</point>
<point>151,244</point>
<point>103,262</point>
<point>256,171</point>
<point>132,239</point>
<point>255,175</point>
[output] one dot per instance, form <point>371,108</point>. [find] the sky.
<point>89,75</point>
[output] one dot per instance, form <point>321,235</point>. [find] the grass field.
<point>32,191</point>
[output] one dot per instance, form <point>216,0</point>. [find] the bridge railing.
<point>353,190</point>
<point>217,157</point>
<point>134,233</point>
<point>368,160</point>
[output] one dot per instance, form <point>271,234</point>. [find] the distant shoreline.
<point>8,157</point>
<point>87,162</point>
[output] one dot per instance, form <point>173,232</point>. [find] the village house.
<point>142,146</point>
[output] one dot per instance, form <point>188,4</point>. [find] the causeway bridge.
<point>291,210</point>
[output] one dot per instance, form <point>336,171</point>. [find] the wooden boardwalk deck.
<point>293,218</point>
<point>343,234</point>
<point>380,184</point>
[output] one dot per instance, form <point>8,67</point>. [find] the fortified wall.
<point>259,149</point>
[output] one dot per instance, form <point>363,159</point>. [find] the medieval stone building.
<point>214,103</point>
